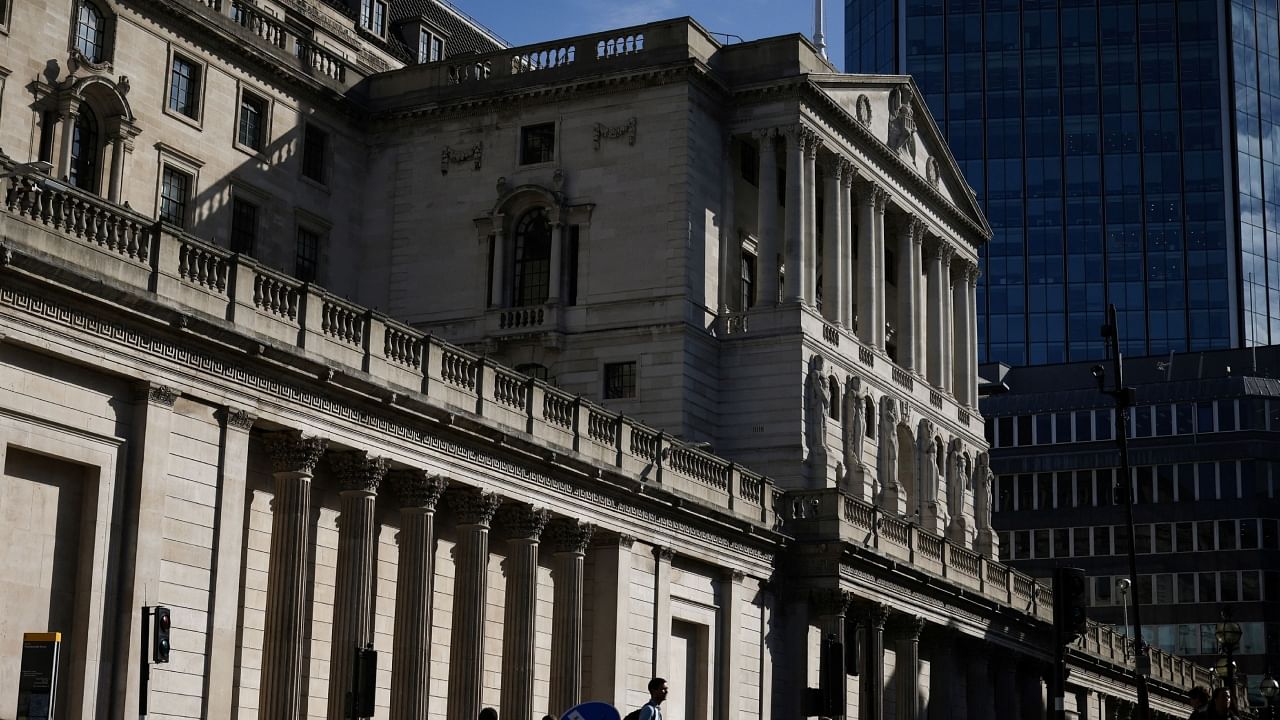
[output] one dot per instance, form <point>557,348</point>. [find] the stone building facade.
<point>195,414</point>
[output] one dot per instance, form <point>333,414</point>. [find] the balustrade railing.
<point>204,265</point>
<point>403,346</point>
<point>602,427</point>
<point>74,212</point>
<point>276,295</point>
<point>265,27</point>
<point>557,408</point>
<point>510,388</point>
<point>343,322</point>
<point>903,379</point>
<point>317,59</point>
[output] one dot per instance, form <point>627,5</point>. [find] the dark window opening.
<point>175,190</point>
<point>748,281</point>
<point>184,87</point>
<point>253,121</point>
<point>619,380</point>
<point>537,143</point>
<point>244,225</point>
<point>315,147</point>
<point>532,267</point>
<point>85,150</point>
<point>571,269</point>
<point>306,262</point>
<point>534,370</point>
<point>749,159</point>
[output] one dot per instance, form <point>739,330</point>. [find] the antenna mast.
<point>819,39</point>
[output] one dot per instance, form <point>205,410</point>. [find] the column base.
<point>987,544</point>
<point>958,531</point>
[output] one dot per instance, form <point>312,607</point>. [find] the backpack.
<point>633,715</point>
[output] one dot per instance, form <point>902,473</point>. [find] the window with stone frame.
<point>747,281</point>
<point>244,225</point>
<point>251,130</point>
<point>430,47</point>
<point>306,259</point>
<point>315,153</point>
<point>184,86</point>
<point>531,268</point>
<point>537,143</point>
<point>619,380</point>
<point>175,195</point>
<point>86,149</point>
<point>91,31</point>
<point>373,16</point>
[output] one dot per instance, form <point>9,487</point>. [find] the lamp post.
<point>1269,687</point>
<point>1125,397</point>
<point>1228,636</point>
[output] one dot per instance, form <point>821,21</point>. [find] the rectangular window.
<point>1185,418</point>
<point>1080,542</point>
<point>749,160</point>
<point>1164,483</point>
<point>1102,540</point>
<point>1004,431</point>
<point>619,380</point>
<point>1024,430</point>
<point>306,261</point>
<point>1142,538</point>
<point>748,281</point>
<point>1164,419</point>
<point>1226,415</point>
<point>1026,493</point>
<point>1164,537</point>
<point>1064,490</point>
<point>184,86</point>
<point>1042,543</point>
<point>1044,429</point>
<point>1250,588</point>
<point>537,143</point>
<point>1204,536</point>
<point>1186,483</point>
<point>315,150</point>
<point>1044,492</point>
<point>1084,488</point>
<point>253,121</point>
<point>1228,587</point>
<point>1207,481</point>
<point>379,18</point>
<point>1062,542</point>
<point>244,225</point>
<point>1102,424</point>
<point>1186,587</point>
<point>1227,535</point>
<point>437,49</point>
<point>175,189</point>
<point>1084,426</point>
<point>1062,427</point>
<point>1204,416</point>
<point>1249,534</point>
<point>1184,535</point>
<point>1102,590</point>
<point>1021,544</point>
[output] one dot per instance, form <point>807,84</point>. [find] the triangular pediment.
<point>893,110</point>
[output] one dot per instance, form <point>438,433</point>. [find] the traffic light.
<point>365,679</point>
<point>160,638</point>
<point>1070,603</point>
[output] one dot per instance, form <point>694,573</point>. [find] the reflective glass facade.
<point>1100,137</point>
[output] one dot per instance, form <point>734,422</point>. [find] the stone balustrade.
<point>268,311</point>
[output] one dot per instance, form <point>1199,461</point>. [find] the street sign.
<point>38,680</point>
<point>592,711</point>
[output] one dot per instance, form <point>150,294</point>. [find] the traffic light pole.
<point>144,677</point>
<point>1124,397</point>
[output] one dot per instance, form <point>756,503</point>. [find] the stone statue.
<point>926,467</point>
<point>955,478</point>
<point>981,484</point>
<point>887,460</point>
<point>855,428</point>
<point>902,129</point>
<point>819,399</point>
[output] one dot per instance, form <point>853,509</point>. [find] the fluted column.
<point>727,289</point>
<point>877,226</point>
<point>417,494</point>
<point>767,235</point>
<point>811,219</point>
<point>498,273</point>
<point>872,681</point>
<point>569,540</point>
<point>942,674</point>
<point>831,605</point>
<point>868,280</point>
<point>523,525</point>
<point>833,244</point>
<point>907,666</point>
<point>293,460</point>
<point>979,689</point>
<point>948,319</point>
<point>971,296</point>
<point>934,341</point>
<point>358,475</point>
<point>962,335</point>
<point>1008,703</point>
<point>474,510</point>
<point>908,277</point>
<point>68,114</point>
<point>847,274</point>
<point>797,137</point>
<point>554,280</point>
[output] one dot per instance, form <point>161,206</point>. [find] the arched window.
<point>833,386</point>
<point>85,150</point>
<point>91,32</point>
<point>532,258</point>
<point>869,411</point>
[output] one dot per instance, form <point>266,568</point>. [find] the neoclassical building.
<point>542,370</point>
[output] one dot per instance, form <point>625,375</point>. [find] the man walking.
<point>657,693</point>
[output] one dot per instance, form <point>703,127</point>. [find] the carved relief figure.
<point>926,468</point>
<point>888,455</point>
<point>902,129</point>
<point>854,426</point>
<point>819,400</point>
<point>981,484</point>
<point>955,478</point>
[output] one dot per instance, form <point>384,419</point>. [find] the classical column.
<point>767,236</point>
<point>569,539</point>
<point>498,272</point>
<point>474,509</point>
<point>557,261</point>
<point>979,689</point>
<point>831,605</point>
<point>730,246</point>
<point>868,280</point>
<point>1032,683</point>
<point>1008,702</point>
<point>68,114</point>
<point>833,244</point>
<point>797,138</point>
<point>662,605</point>
<point>359,475</point>
<point>224,620</point>
<point>293,460</point>
<point>934,344</point>
<point>846,245</point>
<point>811,219</point>
<point>732,594</point>
<point>948,327</point>
<point>963,334</point>
<point>908,276</point>
<point>143,549</point>
<point>942,674</point>
<point>417,494</point>
<point>872,680</point>
<point>971,295</point>
<point>523,525</point>
<point>907,667</point>
<point>610,615</point>
<point>877,226</point>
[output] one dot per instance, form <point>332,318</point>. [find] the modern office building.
<point>1124,151</point>
<point>1207,476</point>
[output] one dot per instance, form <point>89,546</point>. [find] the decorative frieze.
<point>450,156</point>
<point>606,132</point>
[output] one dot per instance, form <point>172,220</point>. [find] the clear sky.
<point>522,22</point>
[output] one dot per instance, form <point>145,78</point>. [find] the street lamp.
<point>1228,636</point>
<point>1269,687</point>
<point>1125,397</point>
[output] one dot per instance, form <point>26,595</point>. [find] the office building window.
<point>430,47</point>
<point>86,150</point>
<point>532,266</point>
<point>619,380</point>
<point>306,262</point>
<point>315,150</point>
<point>244,225</point>
<point>175,191</point>
<point>184,86</point>
<point>252,128</point>
<point>373,16</point>
<point>537,143</point>
<point>91,31</point>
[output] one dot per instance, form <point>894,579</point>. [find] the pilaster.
<point>907,629</point>
<point>831,605</point>
<point>797,138</point>
<point>293,459</point>
<point>833,244</point>
<point>732,594</point>
<point>769,247</point>
<point>662,557</point>
<point>417,494</point>
<point>812,144</point>
<point>611,615</point>
<point>474,510</point>
<point>874,616</point>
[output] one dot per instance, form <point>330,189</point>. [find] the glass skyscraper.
<point>1125,151</point>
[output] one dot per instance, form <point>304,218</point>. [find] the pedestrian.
<point>1221,707</point>
<point>1199,698</point>
<point>488,714</point>
<point>651,710</point>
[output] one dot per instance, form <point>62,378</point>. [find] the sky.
<point>523,22</point>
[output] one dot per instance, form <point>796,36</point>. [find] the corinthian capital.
<point>831,601</point>
<point>416,488</point>
<point>569,535</point>
<point>915,228</point>
<point>522,522</point>
<point>880,197</point>
<point>358,471</point>
<point>474,506</point>
<point>765,135</point>
<point>162,395</point>
<point>291,451</point>
<point>848,172</point>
